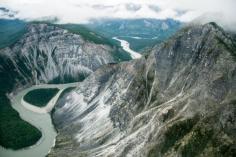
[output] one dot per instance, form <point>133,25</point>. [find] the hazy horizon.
<point>78,11</point>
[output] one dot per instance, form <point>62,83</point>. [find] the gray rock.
<point>180,101</point>
<point>47,53</point>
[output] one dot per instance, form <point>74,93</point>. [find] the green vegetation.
<point>11,31</point>
<point>139,45</point>
<point>209,139</point>
<point>118,53</point>
<point>79,29</point>
<point>14,132</point>
<point>40,97</point>
<point>87,34</point>
<point>178,131</point>
<point>68,79</point>
<point>198,141</point>
<point>140,33</point>
<point>92,36</point>
<point>174,133</point>
<point>230,47</point>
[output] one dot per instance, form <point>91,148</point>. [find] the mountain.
<point>35,57</point>
<point>35,53</point>
<point>140,33</point>
<point>178,101</point>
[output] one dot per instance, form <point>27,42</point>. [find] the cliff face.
<point>180,101</point>
<point>47,53</point>
<point>44,53</point>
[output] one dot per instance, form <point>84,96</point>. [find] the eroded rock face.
<point>180,101</point>
<point>47,53</point>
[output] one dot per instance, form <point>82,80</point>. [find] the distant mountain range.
<point>140,33</point>
<point>178,99</point>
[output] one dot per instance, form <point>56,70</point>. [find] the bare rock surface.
<point>47,53</point>
<point>179,101</point>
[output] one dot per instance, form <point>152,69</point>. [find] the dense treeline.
<point>40,97</point>
<point>14,132</point>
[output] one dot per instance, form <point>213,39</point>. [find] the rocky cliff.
<point>34,53</point>
<point>178,101</point>
<point>48,53</point>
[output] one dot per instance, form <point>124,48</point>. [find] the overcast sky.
<point>80,11</point>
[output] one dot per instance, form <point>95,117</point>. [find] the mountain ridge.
<point>179,101</point>
<point>43,54</point>
<point>37,46</point>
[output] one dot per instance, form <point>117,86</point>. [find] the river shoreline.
<point>41,121</point>
<point>41,118</point>
<point>126,46</point>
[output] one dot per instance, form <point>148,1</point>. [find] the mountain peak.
<point>211,28</point>
<point>194,37</point>
<point>184,91</point>
<point>212,25</point>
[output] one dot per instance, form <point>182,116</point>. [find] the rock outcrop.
<point>48,53</point>
<point>179,101</point>
<point>36,53</point>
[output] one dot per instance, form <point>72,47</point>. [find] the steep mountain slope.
<point>44,53</point>
<point>48,53</point>
<point>140,33</point>
<point>180,101</point>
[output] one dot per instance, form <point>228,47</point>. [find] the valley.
<point>177,99</point>
<point>34,105</point>
<point>140,33</point>
<point>33,59</point>
<point>37,117</point>
<point>126,46</point>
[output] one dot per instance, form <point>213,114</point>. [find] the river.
<point>126,46</point>
<point>38,118</point>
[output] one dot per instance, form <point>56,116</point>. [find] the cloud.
<point>80,11</point>
<point>154,8</point>
<point>133,7</point>
<point>6,13</point>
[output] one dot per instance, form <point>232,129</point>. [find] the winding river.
<point>125,45</point>
<point>38,117</point>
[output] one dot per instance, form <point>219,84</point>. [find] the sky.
<point>82,11</point>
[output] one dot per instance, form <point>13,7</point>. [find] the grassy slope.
<point>40,97</point>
